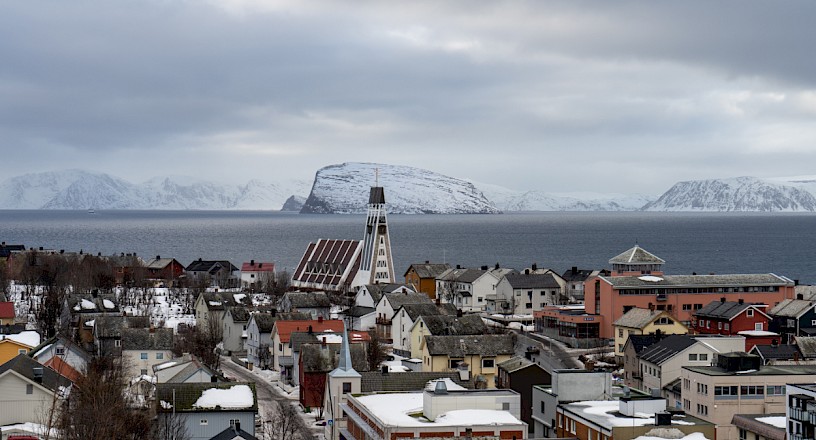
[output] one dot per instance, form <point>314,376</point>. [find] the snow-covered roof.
<point>400,409</point>
<point>29,338</point>
<point>236,397</point>
<point>606,413</point>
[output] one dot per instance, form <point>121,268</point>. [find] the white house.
<point>524,293</point>
<point>142,348</point>
<point>235,323</point>
<point>28,391</point>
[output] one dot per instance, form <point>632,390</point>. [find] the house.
<point>440,325</point>
<point>793,317</point>
<point>730,317</point>
<point>16,344</point>
<point>388,305</point>
<point>738,384</point>
<point>29,391</point>
<point>575,279</point>
<point>207,409</point>
<point>467,289</point>
<point>234,432</point>
<point>644,322</point>
<point>568,385</point>
<point>449,412</point>
<point>315,304</point>
<point>634,346</point>
<point>62,348</point>
<point>520,375</point>
<point>369,295</point>
<point>299,339</point>
<point>760,426</point>
<point>422,277</point>
<point>166,271</point>
<point>7,314</point>
<point>107,332</point>
<point>773,354</point>
<point>661,362</point>
<point>281,347</point>
<point>316,360</point>
<point>234,334</point>
<point>405,317</point>
<point>524,293</point>
<point>637,280</point>
<point>186,369</point>
<point>216,273</point>
<point>800,410</point>
<point>478,354</point>
<point>210,308</point>
<point>257,276</point>
<point>259,338</point>
<point>142,348</point>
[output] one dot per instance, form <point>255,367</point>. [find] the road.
<point>552,354</point>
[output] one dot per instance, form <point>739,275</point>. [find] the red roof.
<point>266,266</point>
<point>285,328</point>
<point>63,368</point>
<point>7,310</point>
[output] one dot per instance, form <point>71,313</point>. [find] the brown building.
<point>422,277</point>
<point>520,375</point>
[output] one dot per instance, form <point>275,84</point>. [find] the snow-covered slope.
<point>74,189</point>
<point>735,194</point>
<point>344,189</point>
<point>509,200</point>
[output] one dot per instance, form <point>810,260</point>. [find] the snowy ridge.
<point>344,189</point>
<point>509,200</point>
<point>76,189</point>
<point>743,194</point>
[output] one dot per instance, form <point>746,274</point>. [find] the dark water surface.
<point>689,242</point>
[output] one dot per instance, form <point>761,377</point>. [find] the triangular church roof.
<point>636,255</point>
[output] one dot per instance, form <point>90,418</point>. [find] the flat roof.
<point>605,413</point>
<point>765,370</point>
<point>765,279</point>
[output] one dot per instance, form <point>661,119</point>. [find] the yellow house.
<point>644,322</point>
<point>477,354</point>
<point>9,349</point>
<point>436,325</point>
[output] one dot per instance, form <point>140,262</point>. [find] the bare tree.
<point>377,351</point>
<point>170,426</point>
<point>200,342</point>
<point>286,423</point>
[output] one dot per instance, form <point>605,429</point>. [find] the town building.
<point>524,293</point>
<point>644,322</point>
<point>520,375</point>
<point>142,348</point>
<point>29,392</point>
<point>760,426</point>
<point>389,303</point>
<point>773,354</point>
<point>730,317</point>
<point>186,369</point>
<point>259,340</point>
<point>738,384</point>
<point>314,304</point>
<point>467,289</point>
<point>441,325</point>
<point>316,360</point>
<point>567,386</point>
<point>570,324</point>
<point>256,276</point>
<point>7,313</point>
<point>216,273</point>
<point>15,344</point>
<point>422,277</point>
<point>477,354</point>
<point>575,279</point>
<point>210,308</point>
<point>404,319</point>
<point>635,345</point>
<point>281,348</point>
<point>793,317</point>
<point>234,333</point>
<point>207,409</point>
<point>800,410</point>
<point>164,271</point>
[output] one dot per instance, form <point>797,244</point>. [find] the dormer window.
<point>749,313</point>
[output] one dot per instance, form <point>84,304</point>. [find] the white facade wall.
<point>135,365</point>
<point>17,406</point>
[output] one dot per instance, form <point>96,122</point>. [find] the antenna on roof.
<point>377,176</point>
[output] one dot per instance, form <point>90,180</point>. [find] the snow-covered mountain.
<point>736,194</point>
<point>344,189</point>
<point>509,200</point>
<point>76,189</point>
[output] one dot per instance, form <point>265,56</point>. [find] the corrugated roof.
<point>144,339</point>
<point>532,281</point>
<point>517,363</point>
<point>666,348</point>
<point>792,308</point>
<point>726,310</point>
<point>439,325</point>
<point>308,299</point>
<point>460,346</point>
<point>24,365</point>
<point>329,263</point>
<point>400,299</point>
<point>284,329</point>
<point>373,381</point>
<point>779,351</point>
<point>7,310</point>
<point>258,266</point>
<point>807,345</point>
<point>428,270</point>
<point>734,280</point>
<point>637,318</point>
<point>636,255</point>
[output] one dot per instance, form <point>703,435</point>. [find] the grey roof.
<point>358,311</point>
<point>109,326</point>
<point>186,394</point>
<point>779,351</point>
<point>724,310</point>
<point>417,310</point>
<point>373,381</point>
<point>465,345</point>
<point>451,274</point>
<point>751,423</point>
<point>377,290</point>
<point>641,342</point>
<point>764,370</point>
<point>667,348</point>
<point>807,345</point>
<point>636,255</point>
<point>264,321</point>
<point>637,318</point>
<point>699,280</point>
<point>532,281</point>
<point>210,266</point>
<point>144,339</point>
<point>192,367</point>
<point>318,358</point>
<point>577,275</point>
<point>517,363</point>
<point>308,299</point>
<point>231,434</point>
<point>24,365</point>
<point>439,325</point>
<point>792,308</point>
<point>76,349</point>
<point>216,301</point>
<point>296,339</point>
<point>239,314</point>
<point>159,263</point>
<point>397,300</point>
<point>470,275</point>
<point>429,270</point>
<point>808,292</point>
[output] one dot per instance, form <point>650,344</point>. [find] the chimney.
<point>323,341</point>
<point>526,271</point>
<point>237,426</point>
<point>158,257</point>
<point>310,329</point>
<point>574,269</point>
<point>320,319</point>
<point>795,282</point>
<point>427,261</point>
<point>62,251</point>
<point>722,300</point>
<point>484,267</point>
<point>800,296</point>
<point>384,369</point>
<point>535,267</point>
<point>438,301</point>
<point>251,262</point>
<point>651,307</point>
<point>774,343</point>
<point>458,266</point>
<point>273,312</point>
<point>741,301</point>
<point>497,266</point>
<point>213,378</point>
<point>694,273</point>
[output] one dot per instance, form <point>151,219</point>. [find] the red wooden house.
<point>735,318</point>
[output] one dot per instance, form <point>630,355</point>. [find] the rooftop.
<point>428,270</point>
<point>792,308</point>
<point>666,348</point>
<point>532,281</point>
<point>638,318</point>
<point>678,281</point>
<point>463,345</point>
<point>726,309</point>
<point>636,255</point>
<point>765,370</point>
<point>195,397</point>
<point>606,413</point>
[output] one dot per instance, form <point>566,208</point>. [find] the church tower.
<point>376,260</point>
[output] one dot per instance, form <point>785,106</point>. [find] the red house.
<point>316,361</point>
<point>168,269</point>
<point>735,318</point>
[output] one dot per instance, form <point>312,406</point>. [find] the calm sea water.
<point>689,242</point>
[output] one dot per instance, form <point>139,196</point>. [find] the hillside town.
<point>347,346</point>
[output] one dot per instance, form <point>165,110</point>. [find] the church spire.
<point>344,365</point>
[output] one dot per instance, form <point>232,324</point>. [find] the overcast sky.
<point>558,96</point>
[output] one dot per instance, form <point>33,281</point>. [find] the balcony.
<point>383,321</point>
<point>802,415</point>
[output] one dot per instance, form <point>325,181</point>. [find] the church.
<point>341,266</point>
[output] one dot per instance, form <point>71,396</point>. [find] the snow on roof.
<point>87,305</point>
<point>215,303</point>
<point>757,333</point>
<point>30,338</point>
<point>449,384</point>
<point>108,304</point>
<point>607,412</point>
<point>777,421</point>
<point>331,339</point>
<point>236,397</point>
<point>166,365</point>
<point>692,436</point>
<point>239,297</point>
<point>90,323</point>
<point>34,428</point>
<point>399,409</point>
<point>650,278</point>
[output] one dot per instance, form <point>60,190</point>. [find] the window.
<point>620,347</point>
<point>505,406</point>
<point>758,326</point>
<point>620,332</point>
<point>749,313</point>
<point>117,343</point>
<point>346,387</point>
<point>453,363</point>
<point>743,434</point>
<point>60,351</point>
<point>542,406</point>
<point>280,347</point>
<point>203,422</point>
<point>719,326</point>
<point>144,356</point>
<point>702,409</point>
<point>702,388</point>
<point>775,390</point>
<point>487,363</point>
<point>560,421</point>
<point>725,391</point>
<point>144,372</point>
<point>234,422</point>
<point>698,306</point>
<point>159,355</point>
<point>21,351</point>
<point>727,326</point>
<point>528,305</point>
<point>686,384</point>
<point>29,389</point>
<point>686,306</point>
<point>686,404</point>
<point>571,426</point>
<point>752,390</point>
<point>692,356</point>
<point>703,356</point>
